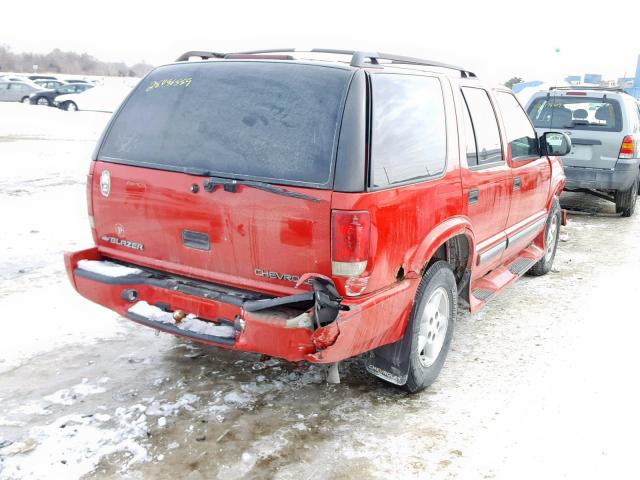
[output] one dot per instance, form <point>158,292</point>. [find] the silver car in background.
<point>17,91</point>
<point>604,127</point>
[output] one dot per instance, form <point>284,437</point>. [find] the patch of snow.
<point>108,269</point>
<point>33,409</point>
<point>238,398</point>
<point>10,423</point>
<point>162,422</point>
<point>167,409</point>
<point>80,441</point>
<point>190,323</point>
<point>69,396</point>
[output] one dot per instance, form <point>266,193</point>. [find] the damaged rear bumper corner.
<point>284,327</point>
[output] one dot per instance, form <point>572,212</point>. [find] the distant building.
<point>626,82</point>
<point>573,79</point>
<point>635,90</point>
<point>594,78</point>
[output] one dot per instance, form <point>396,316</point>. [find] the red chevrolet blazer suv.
<point>317,205</point>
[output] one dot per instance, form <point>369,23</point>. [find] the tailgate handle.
<point>135,187</point>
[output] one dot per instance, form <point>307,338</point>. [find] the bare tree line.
<point>58,61</point>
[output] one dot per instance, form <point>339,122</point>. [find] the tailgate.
<point>247,238</point>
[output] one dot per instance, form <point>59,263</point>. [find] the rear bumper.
<point>620,178</point>
<point>367,323</point>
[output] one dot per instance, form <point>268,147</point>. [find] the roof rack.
<point>586,87</point>
<point>203,55</point>
<point>358,58</point>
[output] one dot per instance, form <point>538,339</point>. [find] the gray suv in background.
<point>604,126</point>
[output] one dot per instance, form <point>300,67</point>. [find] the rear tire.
<point>44,101</point>
<point>626,199</point>
<point>431,326</point>
<point>25,100</point>
<point>551,236</point>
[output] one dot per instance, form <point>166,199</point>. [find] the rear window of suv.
<point>576,113</point>
<point>263,120</point>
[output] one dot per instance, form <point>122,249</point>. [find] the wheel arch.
<point>452,241</point>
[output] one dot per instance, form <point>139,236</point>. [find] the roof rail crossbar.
<point>358,58</point>
<point>586,87</point>
<point>203,55</point>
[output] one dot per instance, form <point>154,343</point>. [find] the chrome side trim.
<point>525,231</point>
<point>492,252</point>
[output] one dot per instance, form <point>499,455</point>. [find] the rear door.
<point>594,121</point>
<point>16,91</point>
<point>531,174</point>
<point>487,178</point>
<point>187,132</point>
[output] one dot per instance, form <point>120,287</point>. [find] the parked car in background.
<point>41,77</point>
<point>50,84</point>
<point>76,80</point>
<point>316,210</point>
<point>13,91</point>
<point>604,125</point>
<point>100,98</point>
<point>48,97</point>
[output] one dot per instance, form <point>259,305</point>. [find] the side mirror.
<point>555,144</point>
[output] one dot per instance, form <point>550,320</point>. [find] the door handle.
<point>516,183</point>
<point>473,196</point>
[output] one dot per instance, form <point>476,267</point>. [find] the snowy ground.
<point>541,384</point>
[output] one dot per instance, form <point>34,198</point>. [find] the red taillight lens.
<point>350,234</point>
<point>627,149</point>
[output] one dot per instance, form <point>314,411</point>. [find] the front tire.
<point>551,236</point>
<point>431,326</point>
<point>70,106</point>
<point>25,100</point>
<point>626,199</point>
<point>44,101</point>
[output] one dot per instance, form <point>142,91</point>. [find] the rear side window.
<point>409,137</point>
<point>578,112</point>
<point>272,121</point>
<point>485,125</point>
<point>470,137</point>
<point>521,136</point>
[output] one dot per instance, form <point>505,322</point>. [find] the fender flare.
<point>458,225</point>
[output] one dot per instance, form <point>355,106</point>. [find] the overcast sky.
<point>498,40</point>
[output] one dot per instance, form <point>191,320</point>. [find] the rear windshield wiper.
<point>230,184</point>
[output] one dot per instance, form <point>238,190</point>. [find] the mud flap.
<point>391,362</point>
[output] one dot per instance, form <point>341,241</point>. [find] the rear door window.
<point>577,112</point>
<point>521,135</point>
<point>409,137</point>
<point>272,121</point>
<point>485,125</point>
<point>470,137</point>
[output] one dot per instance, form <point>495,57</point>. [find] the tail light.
<point>628,148</point>
<point>350,235</point>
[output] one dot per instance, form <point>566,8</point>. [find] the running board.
<point>487,287</point>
